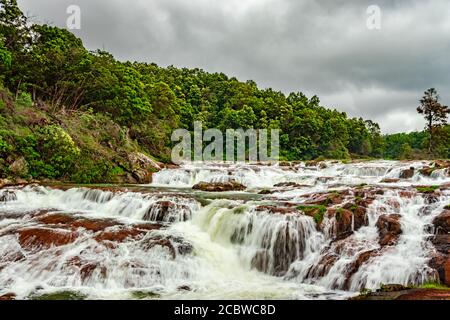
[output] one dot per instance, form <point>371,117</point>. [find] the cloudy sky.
<point>320,47</point>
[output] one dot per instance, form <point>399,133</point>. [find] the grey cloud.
<point>318,47</point>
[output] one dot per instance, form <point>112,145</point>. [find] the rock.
<point>405,293</point>
<point>442,222</point>
<point>360,217</point>
<point>8,296</point>
<point>426,171</point>
<point>19,167</point>
<point>87,268</point>
<point>322,268</point>
<point>407,174</point>
<point>442,243</point>
<point>390,180</point>
<point>167,211</point>
<point>44,238</point>
<point>143,167</point>
<point>276,210</point>
<point>389,229</point>
<point>5,183</point>
<point>289,185</point>
<point>142,176</point>
<point>162,242</point>
<point>442,164</point>
<point>361,259</point>
<point>219,186</point>
<point>441,263</point>
<point>343,223</point>
<point>266,191</point>
<point>7,195</point>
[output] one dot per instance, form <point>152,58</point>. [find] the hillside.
<point>70,114</point>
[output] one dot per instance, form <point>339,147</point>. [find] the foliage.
<point>434,113</point>
<point>50,152</point>
<point>427,189</point>
<point>75,114</point>
<point>434,285</point>
<point>316,211</point>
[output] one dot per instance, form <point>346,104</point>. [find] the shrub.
<point>50,152</point>
<point>25,99</point>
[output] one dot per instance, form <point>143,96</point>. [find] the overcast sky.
<point>320,47</point>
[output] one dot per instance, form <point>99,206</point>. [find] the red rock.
<point>8,296</point>
<point>322,268</point>
<point>86,268</point>
<point>344,220</point>
<point>276,210</point>
<point>389,180</point>
<point>389,229</point>
<point>356,264</point>
<point>442,243</point>
<point>393,203</point>
<point>73,222</point>
<point>441,263</point>
<point>406,194</point>
<point>166,243</point>
<point>39,237</point>
<point>407,174</point>
<point>442,222</point>
<point>120,235</point>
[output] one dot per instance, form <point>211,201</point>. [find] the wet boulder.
<point>44,238</point>
<point>390,180</point>
<point>407,174</point>
<point>7,195</point>
<point>389,229</point>
<point>441,264</point>
<point>142,167</point>
<point>353,267</point>
<point>219,186</point>
<point>360,218</point>
<point>276,210</point>
<point>289,185</point>
<point>442,222</point>
<point>167,211</point>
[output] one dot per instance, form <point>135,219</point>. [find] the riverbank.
<point>399,292</point>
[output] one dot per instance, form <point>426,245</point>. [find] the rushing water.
<point>212,246</point>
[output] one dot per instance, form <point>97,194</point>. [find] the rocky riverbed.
<point>324,230</point>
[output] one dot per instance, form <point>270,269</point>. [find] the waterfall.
<point>168,241</point>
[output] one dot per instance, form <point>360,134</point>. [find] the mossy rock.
<point>141,295</point>
<point>447,207</point>
<point>427,189</point>
<point>59,295</point>
<point>317,212</point>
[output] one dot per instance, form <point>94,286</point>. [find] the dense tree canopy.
<point>48,68</point>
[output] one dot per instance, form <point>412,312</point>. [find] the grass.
<point>60,295</point>
<point>140,295</point>
<point>433,285</point>
<point>316,211</point>
<point>427,189</point>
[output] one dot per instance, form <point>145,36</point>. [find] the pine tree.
<point>434,113</point>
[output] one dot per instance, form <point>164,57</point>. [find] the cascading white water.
<point>227,248</point>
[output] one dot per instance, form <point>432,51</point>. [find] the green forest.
<point>76,115</point>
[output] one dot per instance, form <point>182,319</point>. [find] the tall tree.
<point>434,113</point>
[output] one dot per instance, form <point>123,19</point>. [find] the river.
<point>168,241</point>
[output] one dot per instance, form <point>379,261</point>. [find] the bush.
<point>50,152</point>
<point>25,99</point>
